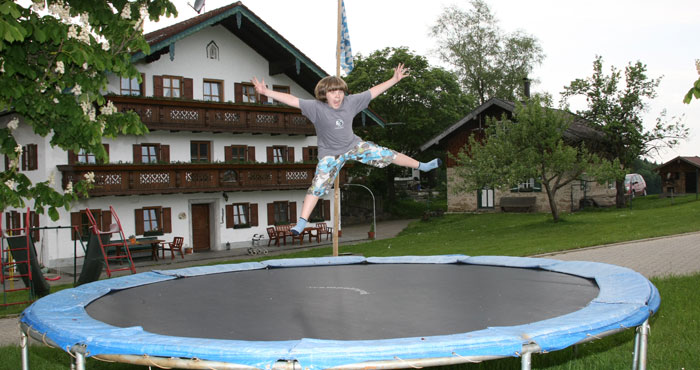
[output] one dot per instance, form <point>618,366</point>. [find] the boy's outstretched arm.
<point>399,73</point>
<point>285,98</point>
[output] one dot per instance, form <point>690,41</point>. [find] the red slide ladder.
<point>11,269</point>
<point>119,254</point>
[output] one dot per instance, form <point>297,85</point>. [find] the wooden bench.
<point>518,204</point>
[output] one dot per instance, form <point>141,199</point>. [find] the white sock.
<point>427,166</point>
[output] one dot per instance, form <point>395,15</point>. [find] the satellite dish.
<point>198,5</point>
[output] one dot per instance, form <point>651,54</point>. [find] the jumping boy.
<point>332,114</point>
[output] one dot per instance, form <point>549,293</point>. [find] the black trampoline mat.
<point>346,302</point>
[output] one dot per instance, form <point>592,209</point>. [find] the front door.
<point>200,227</point>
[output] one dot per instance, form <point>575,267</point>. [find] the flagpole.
<point>336,193</point>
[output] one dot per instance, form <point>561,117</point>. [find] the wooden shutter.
<point>74,222</point>
<point>24,158</point>
<point>142,85</point>
<point>270,213</point>
<point>326,210</point>
<point>138,220</point>
<point>290,154</point>
<point>305,155</point>
<point>33,222</point>
<point>269,155</point>
<point>167,220</point>
<point>253,219</point>
<point>229,216</point>
<point>106,220</point>
<point>165,153</point>
<point>72,157</point>
<point>238,92</point>
<point>158,86</point>
<point>292,212</point>
<point>32,158</point>
<point>251,154</point>
<point>228,153</point>
<point>137,153</point>
<point>188,87</point>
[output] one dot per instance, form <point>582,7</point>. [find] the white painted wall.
<point>236,63</point>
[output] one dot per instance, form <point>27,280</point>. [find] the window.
<point>281,213</point>
<point>321,212</point>
<point>131,86</point>
<point>172,86</point>
<point>14,221</point>
<point>149,153</point>
<point>81,221</point>
<point>84,157</point>
<point>279,154</point>
<point>200,152</point>
<point>248,93</point>
<point>238,152</point>
<point>309,153</point>
<point>528,186</point>
<point>282,89</point>
<point>151,219</point>
<point>213,91</point>
<point>241,215</point>
<point>485,198</point>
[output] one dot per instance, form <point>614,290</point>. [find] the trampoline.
<point>345,312</point>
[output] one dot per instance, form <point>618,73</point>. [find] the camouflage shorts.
<point>328,167</point>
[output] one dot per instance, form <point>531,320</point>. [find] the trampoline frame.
<point>628,298</point>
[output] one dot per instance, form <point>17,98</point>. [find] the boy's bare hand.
<point>400,72</point>
<point>259,86</point>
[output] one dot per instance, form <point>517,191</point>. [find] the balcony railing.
<point>140,179</point>
<point>189,115</point>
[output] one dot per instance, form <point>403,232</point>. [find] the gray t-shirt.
<point>334,126</point>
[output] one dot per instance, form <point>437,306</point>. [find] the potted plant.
<point>370,233</point>
<point>132,239</point>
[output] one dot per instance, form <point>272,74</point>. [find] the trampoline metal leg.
<point>79,361</point>
<point>24,345</point>
<point>643,345</point>
<point>635,361</point>
<point>526,359</point>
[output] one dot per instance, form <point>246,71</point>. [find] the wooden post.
<point>336,194</point>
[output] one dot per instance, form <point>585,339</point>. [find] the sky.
<point>661,34</point>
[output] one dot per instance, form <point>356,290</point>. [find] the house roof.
<point>693,161</point>
<point>577,131</point>
<point>283,57</point>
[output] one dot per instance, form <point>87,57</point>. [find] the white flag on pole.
<point>346,62</point>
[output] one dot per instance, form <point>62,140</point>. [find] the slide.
<point>94,260</point>
<point>18,248</point>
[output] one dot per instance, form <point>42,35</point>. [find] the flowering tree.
<point>695,90</point>
<point>55,56</point>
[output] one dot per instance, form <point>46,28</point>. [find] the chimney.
<point>526,87</point>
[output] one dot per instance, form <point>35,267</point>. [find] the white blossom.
<point>697,65</point>
<point>84,35</point>
<point>126,12</point>
<point>108,109</point>
<point>89,177</point>
<point>85,19</point>
<point>2,66</point>
<point>13,124</point>
<point>69,188</point>
<point>11,184</point>
<point>38,6</point>
<point>14,163</point>
<point>61,11</point>
<point>60,68</point>
<point>52,179</point>
<point>76,90</point>
<point>85,66</point>
<point>55,100</point>
<point>105,45</point>
<point>88,110</point>
<point>18,149</point>
<point>73,32</point>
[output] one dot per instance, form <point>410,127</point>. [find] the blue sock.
<point>301,224</point>
<point>427,166</point>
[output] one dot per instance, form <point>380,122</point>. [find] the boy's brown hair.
<point>329,83</point>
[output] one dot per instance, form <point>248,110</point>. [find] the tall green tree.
<point>54,60</point>
<point>417,108</point>
<point>489,62</point>
<point>616,108</point>
<point>534,145</point>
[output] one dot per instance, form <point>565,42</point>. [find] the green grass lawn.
<point>675,329</point>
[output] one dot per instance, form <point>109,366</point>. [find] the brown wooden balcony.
<point>190,115</point>
<point>142,179</point>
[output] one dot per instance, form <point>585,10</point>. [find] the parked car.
<point>635,184</point>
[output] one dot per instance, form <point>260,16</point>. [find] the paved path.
<point>656,257</point>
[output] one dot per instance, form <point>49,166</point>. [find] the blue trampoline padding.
<point>626,300</point>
